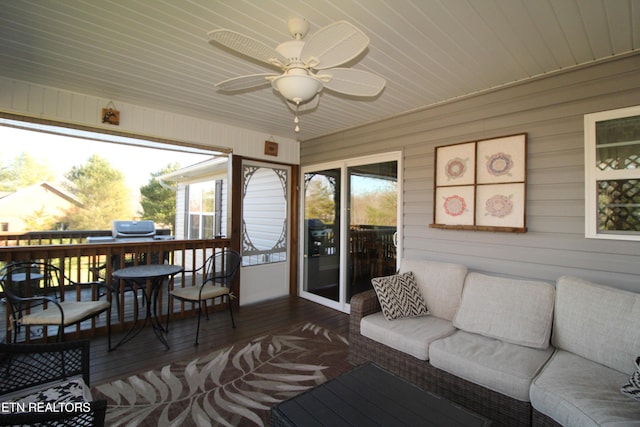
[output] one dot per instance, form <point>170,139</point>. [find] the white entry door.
<point>265,231</point>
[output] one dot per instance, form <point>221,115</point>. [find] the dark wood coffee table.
<point>368,396</point>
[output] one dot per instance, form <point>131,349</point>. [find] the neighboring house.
<point>201,199</point>
<point>38,206</point>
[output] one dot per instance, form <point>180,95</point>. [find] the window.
<point>204,202</point>
<point>612,174</point>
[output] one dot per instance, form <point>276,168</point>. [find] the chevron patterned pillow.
<point>399,296</point>
<point>632,388</point>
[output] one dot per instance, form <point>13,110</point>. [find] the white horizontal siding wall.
<point>19,97</point>
<point>550,111</point>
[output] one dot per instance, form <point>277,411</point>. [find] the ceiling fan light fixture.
<point>297,88</point>
<point>299,61</point>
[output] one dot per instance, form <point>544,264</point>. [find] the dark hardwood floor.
<point>145,351</point>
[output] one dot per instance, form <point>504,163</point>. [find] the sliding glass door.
<point>351,214</point>
<point>321,255</point>
<point>373,219</point>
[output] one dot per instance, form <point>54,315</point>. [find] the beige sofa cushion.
<point>515,311</point>
<point>577,392</point>
<point>440,284</point>
<point>411,335</point>
<point>497,365</point>
<point>598,322</point>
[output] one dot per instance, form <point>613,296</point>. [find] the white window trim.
<point>593,174</point>
<point>200,214</point>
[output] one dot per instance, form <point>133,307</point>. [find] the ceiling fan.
<point>306,66</point>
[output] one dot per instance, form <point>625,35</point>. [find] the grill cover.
<point>133,229</point>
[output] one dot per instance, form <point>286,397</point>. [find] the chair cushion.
<point>399,296</point>
<point>597,322</point>
<point>575,391</point>
<point>411,335</point>
<point>192,293</point>
<point>74,311</point>
<point>512,310</point>
<point>497,365</point>
<point>440,284</point>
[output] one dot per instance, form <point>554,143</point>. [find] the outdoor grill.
<point>130,231</point>
<point>133,231</point>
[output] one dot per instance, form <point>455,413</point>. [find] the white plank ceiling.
<point>156,52</point>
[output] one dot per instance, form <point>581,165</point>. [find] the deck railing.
<point>85,262</point>
<point>65,237</point>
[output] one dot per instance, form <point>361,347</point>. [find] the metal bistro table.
<point>155,275</point>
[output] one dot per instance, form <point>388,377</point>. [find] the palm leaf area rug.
<point>234,386</point>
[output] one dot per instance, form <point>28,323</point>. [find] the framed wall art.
<point>271,148</point>
<point>481,185</point>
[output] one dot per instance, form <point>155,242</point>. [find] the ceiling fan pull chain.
<point>296,120</point>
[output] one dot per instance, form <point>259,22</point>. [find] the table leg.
<point>159,330</point>
<point>150,297</point>
<point>135,330</point>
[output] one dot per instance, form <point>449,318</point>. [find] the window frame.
<point>593,174</point>
<point>215,214</point>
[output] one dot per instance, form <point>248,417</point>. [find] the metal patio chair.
<point>218,274</point>
<point>44,374</point>
<point>31,303</point>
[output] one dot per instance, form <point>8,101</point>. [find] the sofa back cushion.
<point>597,322</point>
<point>512,310</point>
<point>440,284</point>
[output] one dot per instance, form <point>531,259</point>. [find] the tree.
<point>103,193</point>
<point>319,200</point>
<point>24,171</point>
<point>158,200</point>
<point>5,177</point>
<point>376,207</point>
<point>40,219</point>
<point>383,209</point>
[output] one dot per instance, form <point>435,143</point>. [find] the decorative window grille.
<point>612,174</point>
<point>264,217</point>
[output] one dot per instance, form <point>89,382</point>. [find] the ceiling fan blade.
<point>245,82</point>
<point>247,46</point>
<point>352,82</point>
<point>334,45</point>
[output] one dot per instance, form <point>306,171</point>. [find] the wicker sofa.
<point>484,343</point>
<point>47,384</point>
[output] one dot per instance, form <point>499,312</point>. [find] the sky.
<point>61,153</point>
